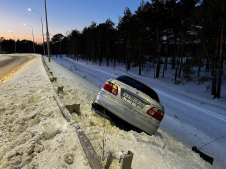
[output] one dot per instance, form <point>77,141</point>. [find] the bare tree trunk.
<point>212,66</point>
<point>167,51</point>
<point>214,82</point>
<point>187,53</point>
<point>163,73</point>
<point>69,48</point>
<point>173,58</point>
<point>140,58</point>
<point>73,50</point>
<point>158,55</point>
<point>175,78</point>
<point>221,52</point>
<point>99,55</point>
<point>207,66</point>
<point>166,57</point>
<point>108,49</point>
<point>128,56</point>
<point>176,67</point>
<point>77,49</point>
<point>92,57</point>
<point>153,58</point>
<point>56,50</point>
<point>199,68</point>
<point>60,50</point>
<point>181,59</point>
<point>164,68</point>
<point>165,63</point>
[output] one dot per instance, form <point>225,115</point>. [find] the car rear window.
<point>139,86</point>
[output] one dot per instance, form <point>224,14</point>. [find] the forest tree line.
<point>189,32</point>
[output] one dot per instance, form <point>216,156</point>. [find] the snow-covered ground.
<point>192,119</point>
<point>34,134</point>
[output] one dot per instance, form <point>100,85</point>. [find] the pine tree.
<point>124,27</point>
<point>56,41</point>
<point>222,27</point>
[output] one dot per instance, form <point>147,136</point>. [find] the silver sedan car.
<point>133,102</point>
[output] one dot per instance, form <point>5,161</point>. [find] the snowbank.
<point>33,132</point>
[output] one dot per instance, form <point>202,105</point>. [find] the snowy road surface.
<point>188,120</point>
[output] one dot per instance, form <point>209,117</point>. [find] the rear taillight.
<point>108,86</point>
<point>154,112</point>
<point>112,88</point>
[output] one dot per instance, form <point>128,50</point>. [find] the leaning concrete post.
<point>126,160</point>
<point>60,89</point>
<point>52,79</point>
<point>109,159</point>
<point>74,108</point>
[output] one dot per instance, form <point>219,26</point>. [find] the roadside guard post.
<point>126,160</point>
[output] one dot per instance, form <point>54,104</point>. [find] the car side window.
<point>139,86</point>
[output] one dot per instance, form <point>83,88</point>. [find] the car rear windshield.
<point>139,86</point>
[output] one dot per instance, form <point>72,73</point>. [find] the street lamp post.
<point>14,40</point>
<point>32,35</point>
<point>47,31</point>
<point>42,28</point>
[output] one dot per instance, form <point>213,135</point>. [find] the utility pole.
<point>47,31</point>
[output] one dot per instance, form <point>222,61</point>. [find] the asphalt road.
<point>10,62</point>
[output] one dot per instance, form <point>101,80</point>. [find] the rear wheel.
<point>96,106</point>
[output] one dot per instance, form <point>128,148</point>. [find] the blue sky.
<point>63,15</point>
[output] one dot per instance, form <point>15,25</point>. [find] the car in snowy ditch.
<point>131,101</point>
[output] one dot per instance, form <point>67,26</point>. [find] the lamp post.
<point>14,40</point>
<point>47,31</point>
<point>42,28</point>
<point>32,35</point>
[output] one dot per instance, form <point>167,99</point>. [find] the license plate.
<point>133,100</point>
